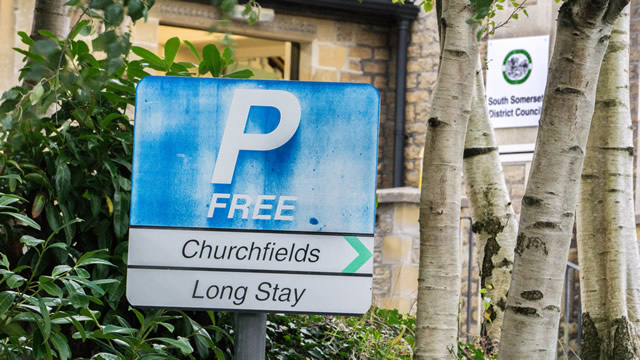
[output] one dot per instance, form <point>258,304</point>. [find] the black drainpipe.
<point>401,86</point>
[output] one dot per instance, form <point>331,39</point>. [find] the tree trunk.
<point>531,319</point>
<point>439,275</point>
<point>50,15</point>
<point>607,241</point>
<point>493,218</point>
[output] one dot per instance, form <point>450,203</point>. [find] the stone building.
<point>393,47</point>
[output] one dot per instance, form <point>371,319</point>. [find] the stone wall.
<point>422,72</point>
<point>15,15</point>
<point>396,249</point>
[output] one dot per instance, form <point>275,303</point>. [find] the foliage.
<point>379,334</point>
<point>486,10</point>
<point>427,5</point>
<point>477,350</point>
<point>65,167</point>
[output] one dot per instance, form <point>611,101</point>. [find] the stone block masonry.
<point>422,72</point>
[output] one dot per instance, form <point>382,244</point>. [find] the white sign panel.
<point>516,80</point>
<point>253,195</point>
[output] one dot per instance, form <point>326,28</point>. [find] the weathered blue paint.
<point>329,164</point>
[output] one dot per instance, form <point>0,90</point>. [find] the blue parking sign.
<point>257,157</point>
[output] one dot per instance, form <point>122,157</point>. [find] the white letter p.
<point>234,139</point>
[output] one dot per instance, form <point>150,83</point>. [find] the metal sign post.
<point>251,335</point>
<point>253,196</point>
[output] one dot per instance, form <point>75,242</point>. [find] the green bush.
<point>65,165</point>
<point>379,334</point>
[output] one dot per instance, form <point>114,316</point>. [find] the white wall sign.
<point>253,195</point>
<point>516,80</point>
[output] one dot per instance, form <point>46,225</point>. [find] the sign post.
<point>253,196</point>
<point>250,337</point>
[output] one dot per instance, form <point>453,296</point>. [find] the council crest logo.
<point>516,66</point>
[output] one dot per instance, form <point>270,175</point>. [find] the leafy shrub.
<point>379,334</point>
<point>65,165</point>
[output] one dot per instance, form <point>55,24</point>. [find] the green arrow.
<point>363,254</point>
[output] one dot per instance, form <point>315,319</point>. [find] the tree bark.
<point>439,274</point>
<point>50,15</point>
<point>607,241</point>
<point>494,220</point>
<point>548,208</point>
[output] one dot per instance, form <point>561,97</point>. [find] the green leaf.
<point>46,326</point>
<point>427,5</point>
<point>30,240</point>
<point>125,183</point>
<point>138,315</point>
<point>60,269</point>
<point>63,181</point>
<point>89,255</point>
<point>38,178</point>
<point>77,29</point>
<point>171,50</point>
<point>167,326</point>
<point>7,122</point>
<point>30,55</point>
<point>58,245</point>
<point>53,216</point>
<point>135,9</point>
<point>36,94</point>
<point>25,38</point>
<point>193,49</point>
<point>15,281</point>
<point>77,296</point>
<point>38,205</point>
<point>99,4</point>
<point>78,326</point>
<point>105,356</point>
<point>51,289</point>
<point>181,344</point>
<point>212,59</point>
<point>68,227</point>
<point>4,261</point>
<point>253,17</point>
<point>82,273</point>
<point>149,57</point>
<point>240,74</point>
<point>48,34</point>
<point>227,56</point>
<point>219,354</point>
<point>113,329</point>
<point>114,14</point>
<point>92,261</point>
<point>59,342</point>
<point>25,219</point>
<point>108,119</point>
<point>6,299</point>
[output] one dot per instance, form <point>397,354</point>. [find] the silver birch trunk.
<point>494,220</point>
<point>607,241</point>
<point>530,327</point>
<point>50,15</point>
<point>439,274</point>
